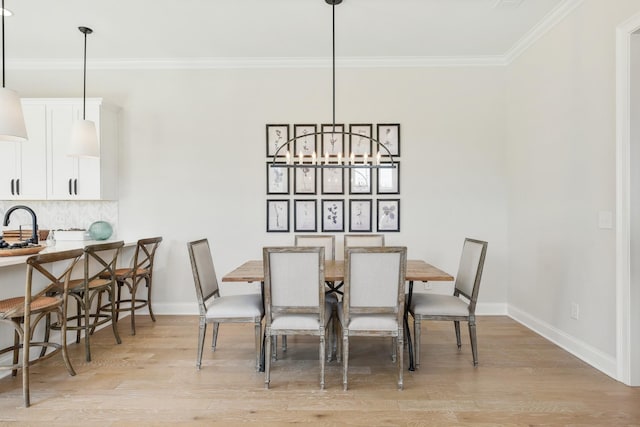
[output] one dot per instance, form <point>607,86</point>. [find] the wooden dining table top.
<point>417,270</point>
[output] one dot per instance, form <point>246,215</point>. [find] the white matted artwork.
<point>277,136</point>
<point>278,216</point>
<point>360,215</point>
<point>388,214</point>
<point>332,215</point>
<point>277,180</point>
<point>389,137</point>
<point>304,215</point>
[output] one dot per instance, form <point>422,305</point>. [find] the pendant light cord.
<point>333,65</point>
<point>3,43</point>
<point>84,79</point>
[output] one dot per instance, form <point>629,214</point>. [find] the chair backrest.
<point>351,240</point>
<point>100,260</point>
<point>204,273</point>
<point>293,281</point>
<point>45,266</point>
<point>470,270</point>
<point>374,280</point>
<point>145,253</point>
<point>325,240</point>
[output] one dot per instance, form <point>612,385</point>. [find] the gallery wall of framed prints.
<point>356,199</point>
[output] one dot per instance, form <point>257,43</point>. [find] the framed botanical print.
<point>278,216</point>
<point>359,215</point>
<point>306,140</point>
<point>304,213</point>
<point>360,180</point>
<point>332,215</point>
<point>332,181</point>
<point>388,214</point>
<point>305,180</point>
<point>277,136</point>
<point>277,180</point>
<point>359,140</point>
<point>388,179</point>
<point>389,137</point>
<point>332,143</point>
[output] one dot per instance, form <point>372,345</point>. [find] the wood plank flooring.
<point>151,379</point>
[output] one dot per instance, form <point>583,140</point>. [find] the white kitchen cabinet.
<point>23,172</point>
<point>70,178</point>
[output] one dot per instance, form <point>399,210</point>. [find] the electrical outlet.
<point>427,286</point>
<point>575,311</point>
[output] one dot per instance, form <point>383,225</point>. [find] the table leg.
<point>406,326</point>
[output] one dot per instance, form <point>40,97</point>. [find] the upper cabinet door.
<point>33,155</point>
<point>9,153</point>
<point>62,173</point>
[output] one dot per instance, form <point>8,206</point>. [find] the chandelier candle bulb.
<point>339,157</point>
<point>288,155</point>
<point>364,159</point>
<point>353,158</point>
<point>313,158</point>
<point>300,157</point>
<point>326,157</point>
<point>378,159</point>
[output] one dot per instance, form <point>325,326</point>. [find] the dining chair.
<point>294,295</point>
<point>216,309</point>
<point>328,241</point>
<point>374,300</point>
<point>24,313</point>
<point>426,306</point>
<point>131,277</point>
<point>362,240</point>
<point>100,261</point>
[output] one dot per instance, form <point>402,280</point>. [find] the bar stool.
<point>100,262</point>
<point>17,312</point>
<point>142,269</point>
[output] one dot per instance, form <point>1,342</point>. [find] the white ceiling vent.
<point>506,4</point>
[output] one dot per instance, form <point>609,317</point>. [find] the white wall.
<point>192,157</point>
<point>635,204</point>
<point>561,156</point>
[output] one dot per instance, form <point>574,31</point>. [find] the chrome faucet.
<point>34,236</point>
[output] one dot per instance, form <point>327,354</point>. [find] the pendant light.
<point>84,138</point>
<point>12,126</point>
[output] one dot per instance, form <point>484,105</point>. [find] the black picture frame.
<point>277,215</point>
<point>389,136</point>
<point>277,135</point>
<point>332,215</point>
<point>332,181</point>
<point>360,215</point>
<point>332,143</point>
<point>388,179</point>
<point>306,144</point>
<point>360,180</point>
<point>277,180</point>
<point>388,214</point>
<point>305,215</point>
<point>361,144</point>
<point>305,180</point>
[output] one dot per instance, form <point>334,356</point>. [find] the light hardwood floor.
<point>151,379</point>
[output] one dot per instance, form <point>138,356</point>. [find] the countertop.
<point>61,245</point>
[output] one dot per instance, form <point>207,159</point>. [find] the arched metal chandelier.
<point>366,160</point>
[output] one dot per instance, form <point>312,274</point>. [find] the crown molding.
<point>563,9</point>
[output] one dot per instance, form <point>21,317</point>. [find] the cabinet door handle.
<point>13,191</point>
<point>18,186</point>
<point>75,186</point>
<point>70,193</point>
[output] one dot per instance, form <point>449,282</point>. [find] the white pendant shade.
<point>84,140</point>
<point>12,126</point>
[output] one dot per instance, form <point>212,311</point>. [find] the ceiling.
<point>46,30</point>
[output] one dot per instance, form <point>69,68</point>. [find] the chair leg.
<point>114,314</point>
<point>322,356</point>
<point>258,343</point>
<point>214,340</point>
<point>63,339</point>
<point>338,337</point>
<point>474,341</point>
<point>267,359</point>
<point>202,331</point>
<point>16,351</point>
<point>456,325</point>
<point>87,325</point>
<point>26,340</point>
<point>284,343</point>
<point>345,358</point>
<point>134,291</point>
<point>79,316</point>
<point>400,342</point>
<point>149,282</point>
<point>417,330</point>
<point>394,352</point>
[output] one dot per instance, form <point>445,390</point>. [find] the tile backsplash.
<point>55,215</point>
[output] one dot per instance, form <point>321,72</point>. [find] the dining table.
<point>417,271</point>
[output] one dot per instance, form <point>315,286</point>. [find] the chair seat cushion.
<point>38,304</point>
<point>438,305</point>
<point>300,321</point>
<point>369,322</point>
<point>235,306</point>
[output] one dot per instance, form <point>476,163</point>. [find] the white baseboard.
<point>583,351</point>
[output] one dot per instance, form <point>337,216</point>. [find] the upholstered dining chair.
<point>100,261</point>
<point>374,300</point>
<point>131,277</point>
<point>362,240</point>
<point>24,313</point>
<point>216,309</point>
<point>452,307</point>
<point>294,294</point>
